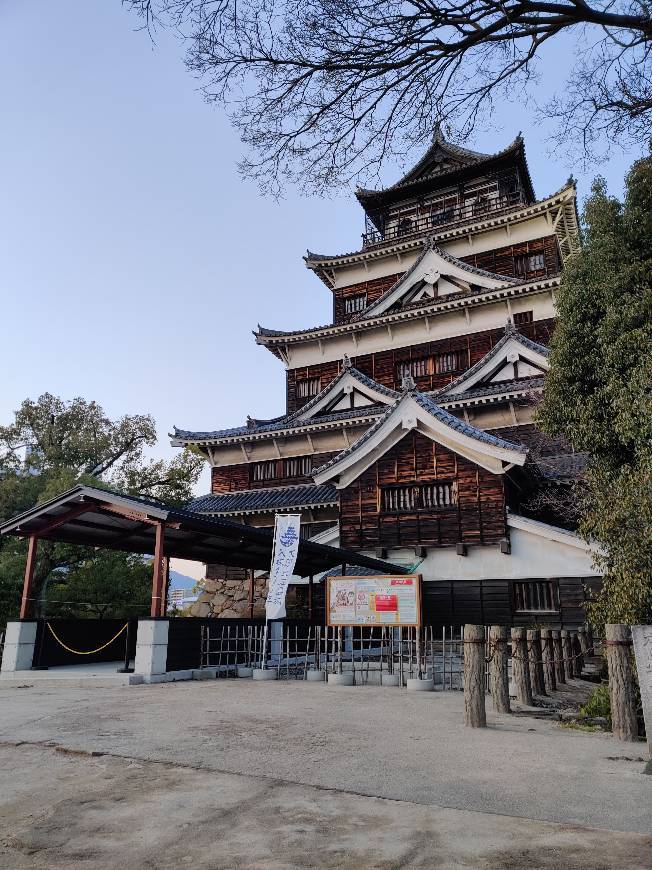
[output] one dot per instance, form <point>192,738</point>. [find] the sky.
<point>134,260</point>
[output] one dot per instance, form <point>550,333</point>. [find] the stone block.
<point>152,631</point>
<point>219,599</point>
<point>210,585</point>
<point>229,614</point>
<point>20,632</point>
<point>17,656</point>
<point>151,658</point>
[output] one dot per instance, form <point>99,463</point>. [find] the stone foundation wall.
<point>229,599</point>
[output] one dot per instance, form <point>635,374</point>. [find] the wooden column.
<point>520,667</point>
<point>474,697</point>
<point>499,677</point>
<point>577,663</point>
<point>621,693</point>
<point>535,662</point>
<point>158,579</point>
<point>560,676</point>
<point>548,657</point>
<point>583,638</point>
<point>26,604</point>
<point>568,654</point>
<point>251,593</point>
<point>311,612</point>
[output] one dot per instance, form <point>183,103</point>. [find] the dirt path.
<point>65,810</point>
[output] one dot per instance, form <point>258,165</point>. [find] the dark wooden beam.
<point>26,602</point>
<point>158,578</point>
<point>46,528</point>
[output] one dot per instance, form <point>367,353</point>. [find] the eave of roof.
<point>474,161</point>
<point>270,338</point>
<point>272,499</point>
<point>320,263</point>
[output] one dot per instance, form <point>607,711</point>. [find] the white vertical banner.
<point>284,557</point>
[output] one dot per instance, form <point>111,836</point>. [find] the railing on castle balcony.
<point>410,224</point>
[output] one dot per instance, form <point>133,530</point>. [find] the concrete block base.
<point>315,676</point>
<point>265,674</point>
<point>345,679</point>
<point>389,680</point>
<point>204,674</point>
<point>244,672</point>
<point>18,653</point>
<point>420,685</point>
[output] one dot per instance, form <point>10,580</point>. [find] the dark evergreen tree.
<point>599,389</point>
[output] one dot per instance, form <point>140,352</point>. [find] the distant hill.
<point>181,581</point>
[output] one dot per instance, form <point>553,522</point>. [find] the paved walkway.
<point>236,774</point>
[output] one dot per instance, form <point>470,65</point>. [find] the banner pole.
<point>264,660</point>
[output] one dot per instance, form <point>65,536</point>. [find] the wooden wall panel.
<point>383,366</point>
<point>233,478</point>
<point>502,260</point>
<point>477,518</point>
<point>374,289</point>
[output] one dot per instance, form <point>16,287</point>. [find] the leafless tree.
<point>323,91</point>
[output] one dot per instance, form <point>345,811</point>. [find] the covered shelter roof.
<point>94,517</point>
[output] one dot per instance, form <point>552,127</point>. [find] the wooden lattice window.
<point>525,264</point>
<point>299,466</point>
<point>416,368</point>
<point>451,361</point>
<point>353,304</point>
<point>523,317</point>
<point>536,596</point>
<point>418,497</point>
<point>307,387</point>
<point>265,470</point>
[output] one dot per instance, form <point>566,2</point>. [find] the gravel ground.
<point>227,774</point>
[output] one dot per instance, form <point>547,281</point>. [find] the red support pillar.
<point>158,580</point>
<point>30,565</point>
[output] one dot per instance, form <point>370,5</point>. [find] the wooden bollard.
<point>568,654</point>
<point>520,667</point>
<point>621,691</point>
<point>499,677</point>
<point>548,658</point>
<point>577,663</point>
<point>560,675</point>
<point>583,638</point>
<point>475,715</point>
<point>536,665</point>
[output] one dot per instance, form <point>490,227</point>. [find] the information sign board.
<point>382,600</point>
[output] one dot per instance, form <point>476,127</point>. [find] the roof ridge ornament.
<point>408,384</point>
<point>346,362</point>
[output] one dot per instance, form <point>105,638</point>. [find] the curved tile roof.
<point>273,498</point>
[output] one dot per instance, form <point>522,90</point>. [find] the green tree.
<point>53,444</point>
<point>599,389</point>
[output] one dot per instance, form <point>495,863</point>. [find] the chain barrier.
<point>89,652</point>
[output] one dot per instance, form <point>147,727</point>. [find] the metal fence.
<point>368,653</point>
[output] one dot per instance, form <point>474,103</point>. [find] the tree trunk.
<point>568,654</point>
<point>474,696</point>
<point>548,657</point>
<point>520,667</point>
<point>499,677</point>
<point>621,690</point>
<point>560,676</point>
<point>536,665</point>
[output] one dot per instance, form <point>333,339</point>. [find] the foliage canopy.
<point>599,388</point>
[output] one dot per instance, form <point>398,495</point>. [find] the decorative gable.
<point>350,390</point>
<point>414,411</point>
<point>515,357</point>
<point>435,274</point>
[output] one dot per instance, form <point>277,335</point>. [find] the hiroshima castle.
<point>408,431</point>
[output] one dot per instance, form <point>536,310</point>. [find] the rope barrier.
<point>89,652</point>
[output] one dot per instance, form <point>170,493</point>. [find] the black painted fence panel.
<point>83,635</point>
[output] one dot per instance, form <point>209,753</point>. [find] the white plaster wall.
<point>441,325</point>
<point>463,246</point>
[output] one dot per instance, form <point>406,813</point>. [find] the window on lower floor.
<point>452,361</point>
<point>307,387</point>
<point>416,368</point>
<point>523,317</point>
<point>353,304</point>
<point>278,469</point>
<point>536,596</point>
<point>418,497</point>
<point>524,264</point>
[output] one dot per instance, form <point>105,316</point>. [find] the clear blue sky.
<point>134,262</point>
